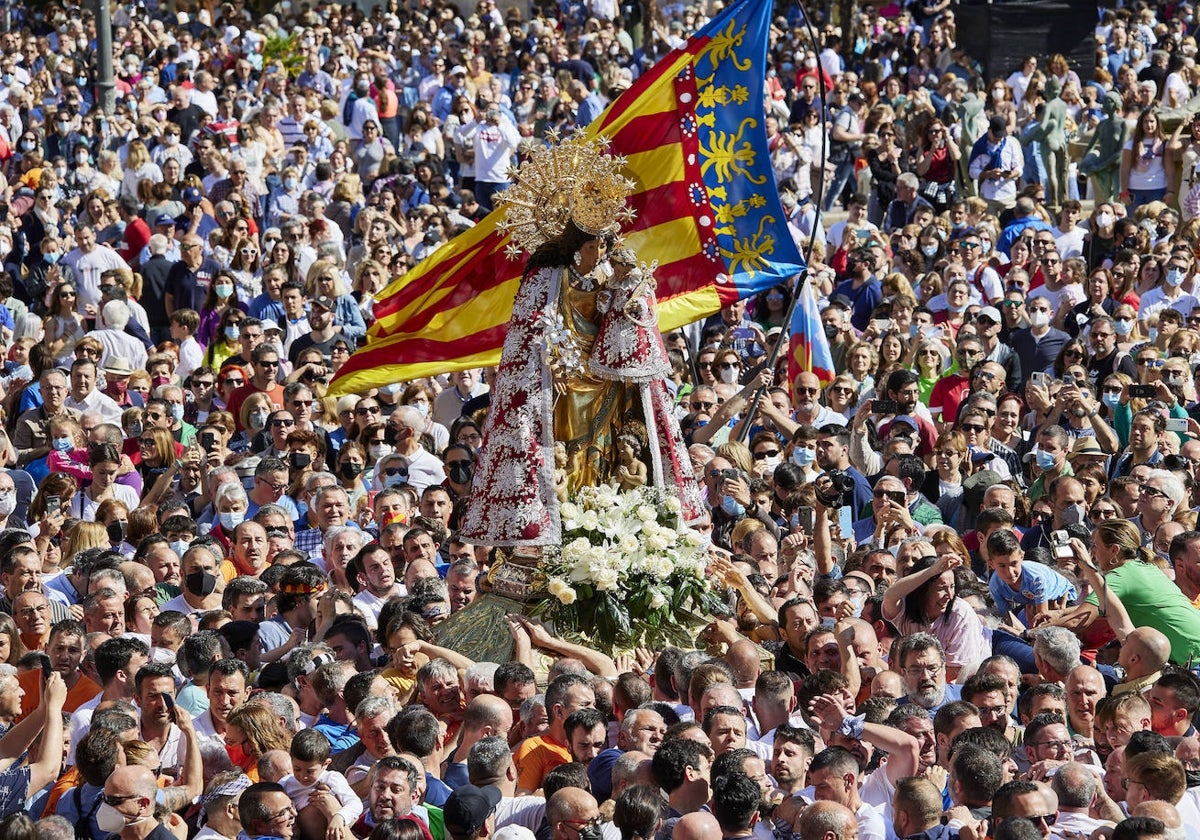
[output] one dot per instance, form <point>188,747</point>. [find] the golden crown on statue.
<point>573,181</point>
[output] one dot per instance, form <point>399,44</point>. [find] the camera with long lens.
<point>833,492</point>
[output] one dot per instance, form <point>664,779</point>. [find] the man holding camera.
<point>997,163</point>
<point>495,143</point>
<point>833,456</point>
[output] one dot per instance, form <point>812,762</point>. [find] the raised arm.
<point>893,598</point>
<point>596,662</point>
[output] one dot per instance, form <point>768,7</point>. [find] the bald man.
<point>700,825</point>
<point>1085,688</point>
<point>1143,654</point>
<point>486,715</point>
<point>743,658</point>
<point>133,788</point>
<point>568,810</point>
<point>827,821</point>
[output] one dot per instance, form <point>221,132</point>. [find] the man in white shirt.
<point>424,468</point>
<point>84,396</point>
<point>495,143</point>
<point>227,689</point>
<point>117,663</point>
<point>377,575</point>
<point>1068,234</point>
<point>89,261</point>
<point>996,163</point>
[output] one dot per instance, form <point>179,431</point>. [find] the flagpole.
<point>819,192</point>
<point>772,359</point>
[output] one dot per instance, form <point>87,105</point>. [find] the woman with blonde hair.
<point>932,359</point>
<point>370,278</point>
<point>252,730</point>
<point>138,167</point>
<point>842,394</point>
<point>84,535</point>
<point>325,280</point>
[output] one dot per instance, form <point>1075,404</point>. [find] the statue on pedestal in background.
<point>1052,141</point>
<point>1102,158</point>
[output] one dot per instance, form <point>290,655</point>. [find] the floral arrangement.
<point>627,574</point>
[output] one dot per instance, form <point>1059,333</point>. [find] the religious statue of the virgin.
<point>583,362</point>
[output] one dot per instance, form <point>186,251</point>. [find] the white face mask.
<point>729,375</point>
<point>8,503</point>
<point>378,450</point>
<point>1104,220</point>
<point>113,821</point>
<point>1039,318</point>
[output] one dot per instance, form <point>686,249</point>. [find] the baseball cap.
<point>998,125</point>
<point>323,301</point>
<point>467,809</point>
<point>991,313</point>
<point>268,325</point>
<point>164,219</point>
<point>192,195</point>
<point>458,68</point>
<point>907,419</point>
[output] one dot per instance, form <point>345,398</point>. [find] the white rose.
<point>590,520</point>
<point>673,505</point>
<point>692,539</point>
<point>628,544</point>
<point>560,590</point>
<point>656,542</point>
<point>646,513</point>
<point>606,580</point>
<point>657,601</point>
<point>568,510</point>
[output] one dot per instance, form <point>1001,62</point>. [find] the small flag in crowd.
<point>808,348</point>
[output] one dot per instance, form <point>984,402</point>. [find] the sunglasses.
<point>766,453</point>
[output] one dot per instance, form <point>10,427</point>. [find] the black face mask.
<point>299,460</point>
<point>460,473</point>
<point>201,583</point>
<point>1193,778</point>
<point>351,470</point>
<point>831,331</point>
<point>116,533</point>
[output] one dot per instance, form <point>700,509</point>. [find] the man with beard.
<point>834,774</point>
<point>808,408</point>
<point>833,453</point>
<point>902,386</point>
<point>792,752</point>
<point>923,669</point>
<point>390,786</point>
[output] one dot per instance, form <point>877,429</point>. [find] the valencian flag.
<point>692,130</point>
<point>808,348</point>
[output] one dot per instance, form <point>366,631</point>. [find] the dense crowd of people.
<point>961,580</point>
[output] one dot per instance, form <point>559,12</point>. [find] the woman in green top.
<point>931,358</point>
<point>1150,598</point>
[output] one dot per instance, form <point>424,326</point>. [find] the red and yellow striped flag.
<point>692,129</point>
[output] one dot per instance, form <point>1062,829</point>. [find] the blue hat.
<point>164,219</point>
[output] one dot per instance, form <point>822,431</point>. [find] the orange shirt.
<point>535,758</point>
<point>31,681</point>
